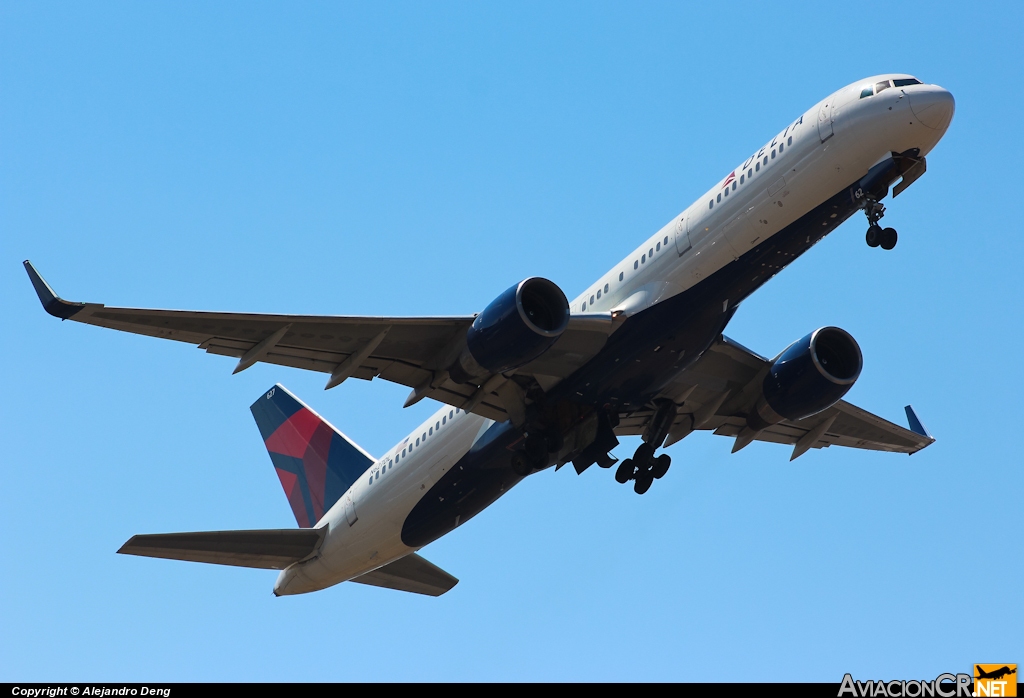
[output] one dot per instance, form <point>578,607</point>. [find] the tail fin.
<point>315,462</point>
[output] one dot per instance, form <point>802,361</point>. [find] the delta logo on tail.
<point>991,680</point>
<point>315,462</point>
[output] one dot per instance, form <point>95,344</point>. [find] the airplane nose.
<point>933,107</point>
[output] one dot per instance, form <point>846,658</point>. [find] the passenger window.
<point>651,253</point>
<point>711,204</point>
<point>757,167</point>
<point>606,288</point>
<point>742,178</point>
<point>657,247</point>
<point>790,141</point>
<point>450,414</point>
<point>437,425</point>
<point>666,240</point>
<point>750,173</point>
<point>727,192</point>
<point>591,300</point>
<point>417,441</point>
<point>431,431</point>
<point>444,419</point>
<point>599,294</point>
<point>621,275</point>
<point>636,264</point>
<point>403,451</point>
<point>781,146</point>
<point>584,307</point>
<point>765,159</point>
<point>719,198</point>
<point>424,436</point>
<point>773,154</point>
<point>734,185</point>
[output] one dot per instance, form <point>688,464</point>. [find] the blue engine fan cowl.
<point>811,375</point>
<point>517,327</point>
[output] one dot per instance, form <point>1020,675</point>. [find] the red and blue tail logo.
<point>315,462</point>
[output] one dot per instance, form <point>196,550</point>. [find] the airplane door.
<point>350,510</point>
<point>682,237</point>
<point>825,119</point>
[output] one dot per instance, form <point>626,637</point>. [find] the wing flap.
<point>411,573</point>
<point>267,549</point>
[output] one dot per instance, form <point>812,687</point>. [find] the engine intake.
<point>811,375</point>
<point>517,327</point>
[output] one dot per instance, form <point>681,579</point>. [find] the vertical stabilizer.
<point>315,462</point>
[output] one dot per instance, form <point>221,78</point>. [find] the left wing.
<point>410,351</point>
<point>718,391</point>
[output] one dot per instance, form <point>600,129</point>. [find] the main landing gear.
<point>643,468</point>
<point>877,236</point>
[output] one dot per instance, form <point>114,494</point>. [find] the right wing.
<point>720,389</point>
<point>410,351</point>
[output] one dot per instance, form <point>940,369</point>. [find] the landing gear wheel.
<point>521,464</point>
<point>624,473</point>
<point>875,235</point>
<point>889,238</point>
<point>642,483</point>
<point>661,464</point>
<point>643,454</point>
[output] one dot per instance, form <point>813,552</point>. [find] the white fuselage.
<point>828,148</point>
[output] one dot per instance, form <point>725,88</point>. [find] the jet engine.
<point>517,327</point>
<point>811,375</point>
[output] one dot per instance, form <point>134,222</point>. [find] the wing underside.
<point>717,392</point>
<point>410,351</point>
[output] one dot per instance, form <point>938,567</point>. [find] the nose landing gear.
<point>877,236</point>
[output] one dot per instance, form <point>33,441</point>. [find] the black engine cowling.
<point>517,327</point>
<point>811,375</point>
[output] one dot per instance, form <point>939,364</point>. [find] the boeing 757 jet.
<point>535,380</point>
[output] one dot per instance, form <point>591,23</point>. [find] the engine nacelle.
<point>517,327</point>
<point>811,375</point>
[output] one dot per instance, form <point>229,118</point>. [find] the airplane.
<point>535,381</point>
<point>995,674</point>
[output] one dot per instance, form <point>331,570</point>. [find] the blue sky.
<point>412,159</point>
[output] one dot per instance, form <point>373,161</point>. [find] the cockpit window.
<point>884,85</point>
<point>867,92</point>
<point>903,82</point>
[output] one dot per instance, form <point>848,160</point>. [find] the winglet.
<point>915,424</point>
<point>52,303</point>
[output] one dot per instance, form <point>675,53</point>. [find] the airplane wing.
<point>718,391</point>
<point>411,351</point>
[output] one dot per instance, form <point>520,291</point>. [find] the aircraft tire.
<point>643,454</point>
<point>624,473</point>
<point>661,464</point>
<point>889,238</point>
<point>874,236</point>
<point>642,483</point>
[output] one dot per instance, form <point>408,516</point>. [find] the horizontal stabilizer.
<point>410,573</point>
<point>269,549</point>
